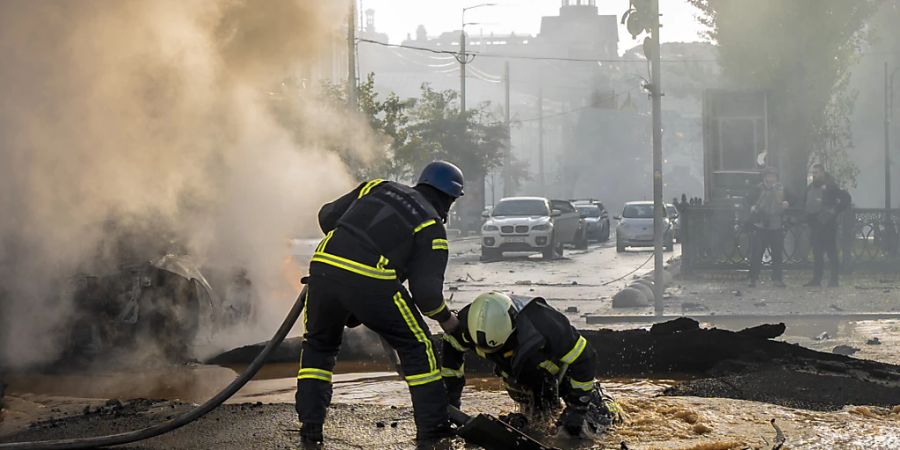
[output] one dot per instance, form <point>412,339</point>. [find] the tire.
<point>581,241</point>
<point>553,250</point>
<point>604,235</point>
<point>490,254</point>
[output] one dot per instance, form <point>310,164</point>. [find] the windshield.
<point>638,212</point>
<point>588,211</point>
<point>521,208</point>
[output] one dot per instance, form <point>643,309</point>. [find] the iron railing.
<point>719,238</point>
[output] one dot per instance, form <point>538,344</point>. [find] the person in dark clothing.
<point>824,202</point>
<point>376,237</point>
<point>538,353</point>
<point>767,205</point>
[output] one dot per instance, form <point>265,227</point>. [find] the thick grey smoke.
<point>122,115</point>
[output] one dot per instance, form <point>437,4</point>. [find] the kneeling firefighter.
<point>376,237</point>
<point>540,356</point>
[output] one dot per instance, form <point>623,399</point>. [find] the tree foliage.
<point>413,132</point>
<point>800,51</point>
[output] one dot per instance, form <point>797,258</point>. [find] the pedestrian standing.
<point>767,213</point>
<point>824,202</point>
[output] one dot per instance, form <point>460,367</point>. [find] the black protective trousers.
<point>823,237</point>
<point>764,238</point>
<point>387,309</point>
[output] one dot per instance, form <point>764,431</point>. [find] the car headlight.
<point>541,227</point>
<point>491,228</point>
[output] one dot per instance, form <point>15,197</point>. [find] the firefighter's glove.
<point>571,420</point>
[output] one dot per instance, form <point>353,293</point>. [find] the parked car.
<point>596,219</point>
<point>675,219</point>
<point>531,224</point>
<point>635,227</point>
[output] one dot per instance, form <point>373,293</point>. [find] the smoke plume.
<point>154,120</point>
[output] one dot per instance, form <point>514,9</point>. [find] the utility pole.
<point>462,67</point>
<point>888,102</point>
<point>540,108</point>
<point>351,56</point>
<point>656,95</point>
<point>507,159</point>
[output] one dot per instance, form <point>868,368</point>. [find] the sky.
<point>398,18</point>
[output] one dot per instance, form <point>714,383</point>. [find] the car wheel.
<point>604,236</point>
<point>581,241</point>
<point>552,250</point>
<point>490,254</point>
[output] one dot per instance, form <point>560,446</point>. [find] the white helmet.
<point>490,320</point>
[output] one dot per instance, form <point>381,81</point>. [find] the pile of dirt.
<point>793,387</point>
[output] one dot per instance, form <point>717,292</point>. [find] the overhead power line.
<point>529,57</point>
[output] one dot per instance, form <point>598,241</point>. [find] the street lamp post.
<point>888,116</point>
<point>462,55</point>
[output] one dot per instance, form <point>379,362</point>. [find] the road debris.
<point>845,350</point>
<point>873,341</point>
<point>779,436</point>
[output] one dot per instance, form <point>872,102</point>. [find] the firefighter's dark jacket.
<point>543,345</point>
<point>382,234</point>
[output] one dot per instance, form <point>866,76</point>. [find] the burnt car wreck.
<point>166,304</point>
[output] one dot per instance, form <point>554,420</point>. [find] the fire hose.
<point>182,420</point>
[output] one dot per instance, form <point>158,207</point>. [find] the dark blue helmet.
<point>444,177</point>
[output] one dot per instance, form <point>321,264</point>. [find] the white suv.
<point>528,224</point>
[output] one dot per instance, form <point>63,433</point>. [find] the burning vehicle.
<point>166,302</point>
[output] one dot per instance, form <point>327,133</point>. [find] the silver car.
<point>635,227</point>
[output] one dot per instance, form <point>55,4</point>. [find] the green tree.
<point>800,51</point>
<point>396,148</point>
<point>476,141</point>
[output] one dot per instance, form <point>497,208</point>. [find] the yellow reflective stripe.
<point>324,241</point>
<point>454,343</point>
<point>582,385</point>
<point>368,187</point>
<point>314,374</point>
<point>549,367</point>
<point>434,312</point>
<point>423,378</point>
<point>382,262</point>
<point>451,373</point>
<point>439,244</point>
<point>355,267</point>
<point>424,225</point>
<point>508,354</point>
<point>420,335</point>
<point>576,351</point>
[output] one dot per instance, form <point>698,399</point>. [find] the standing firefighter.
<point>540,356</point>
<point>824,202</point>
<point>377,236</point>
<point>767,205</point>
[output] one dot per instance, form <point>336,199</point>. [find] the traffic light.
<point>639,17</point>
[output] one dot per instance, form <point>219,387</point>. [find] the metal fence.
<point>719,238</point>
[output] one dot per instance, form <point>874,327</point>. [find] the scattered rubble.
<point>630,298</point>
<point>845,350</point>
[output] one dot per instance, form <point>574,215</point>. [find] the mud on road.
<point>652,422</point>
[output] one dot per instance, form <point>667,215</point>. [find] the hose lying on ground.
<point>182,420</point>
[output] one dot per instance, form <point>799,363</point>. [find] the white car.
<point>529,224</point>
<point>635,228</point>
